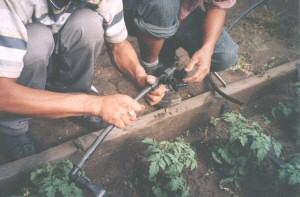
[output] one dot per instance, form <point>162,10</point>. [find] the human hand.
<point>119,109</point>
<point>202,61</point>
<point>156,95</point>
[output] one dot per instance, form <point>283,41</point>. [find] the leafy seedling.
<point>290,172</point>
<point>169,160</point>
<point>247,145</point>
<point>53,181</point>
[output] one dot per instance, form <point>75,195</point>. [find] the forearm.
<point>22,100</point>
<point>124,57</point>
<point>213,26</point>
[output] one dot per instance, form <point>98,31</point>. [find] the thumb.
<point>190,65</point>
<point>151,79</point>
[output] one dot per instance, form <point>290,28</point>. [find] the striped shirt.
<point>15,14</point>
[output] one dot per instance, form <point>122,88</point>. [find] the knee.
<point>40,45</point>
<point>228,58</point>
<point>158,18</point>
<point>86,26</point>
<point>225,59</point>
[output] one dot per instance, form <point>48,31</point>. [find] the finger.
<point>136,106</point>
<point>119,123</point>
<point>200,71</point>
<point>150,101</point>
<point>151,79</point>
<point>200,77</point>
<point>158,92</point>
<point>191,65</point>
<point>193,77</point>
<point>151,98</point>
<point>132,115</point>
<point>125,119</point>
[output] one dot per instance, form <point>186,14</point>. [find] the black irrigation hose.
<point>237,21</point>
<point>244,14</point>
<point>226,96</point>
<point>277,160</point>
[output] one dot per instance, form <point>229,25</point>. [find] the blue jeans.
<point>160,19</point>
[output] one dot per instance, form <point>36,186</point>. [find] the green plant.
<point>53,181</point>
<point>247,145</point>
<point>187,133</point>
<point>290,172</point>
<point>289,112</point>
<point>267,121</point>
<point>214,121</point>
<point>168,162</point>
<point>283,110</point>
<point>296,122</point>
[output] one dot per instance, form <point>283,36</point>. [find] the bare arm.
<point>125,59</point>
<point>18,99</point>
<point>213,26</point>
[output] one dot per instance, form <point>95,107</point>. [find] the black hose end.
<point>96,191</point>
<point>226,96</point>
<point>84,183</point>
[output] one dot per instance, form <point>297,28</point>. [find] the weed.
<point>187,133</point>
<point>289,113</point>
<point>168,162</point>
<point>247,145</point>
<point>268,66</point>
<point>242,63</point>
<point>53,181</point>
<point>267,121</point>
<point>283,110</point>
<point>290,172</point>
<point>214,121</point>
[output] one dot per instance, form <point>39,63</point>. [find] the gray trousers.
<point>65,60</point>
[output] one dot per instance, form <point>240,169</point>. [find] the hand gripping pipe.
<point>83,182</point>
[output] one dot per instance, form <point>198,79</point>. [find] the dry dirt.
<point>264,43</point>
<point>267,37</point>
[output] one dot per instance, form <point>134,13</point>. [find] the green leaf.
<point>242,171</point>
<point>149,141</point>
<point>162,164</point>
<point>194,165</point>
<point>53,180</point>
<point>168,162</point>
<point>277,148</point>
<point>216,158</point>
<point>153,169</point>
<point>172,157</point>
<point>158,191</point>
<point>167,159</point>
<point>50,191</point>
<point>153,157</point>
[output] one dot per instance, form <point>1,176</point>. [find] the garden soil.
<point>267,37</point>
<point>128,179</point>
